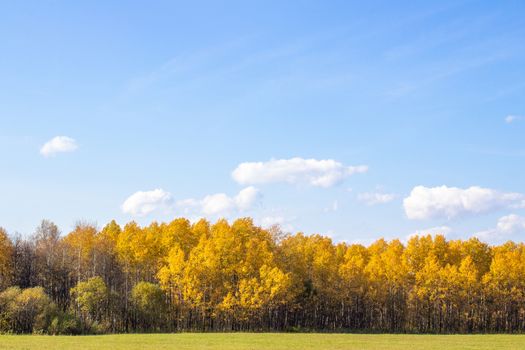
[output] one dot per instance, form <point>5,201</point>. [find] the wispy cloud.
<point>512,118</point>
<point>374,198</point>
<point>439,72</point>
<point>195,67</point>
<point>332,208</point>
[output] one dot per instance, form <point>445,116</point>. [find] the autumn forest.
<point>179,276</point>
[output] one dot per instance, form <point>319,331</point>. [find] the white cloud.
<point>142,203</point>
<point>320,173</point>
<point>507,227</point>
<point>58,144</point>
<point>511,223</point>
<point>216,204</point>
<point>512,118</point>
<point>373,198</point>
<point>450,202</point>
<point>246,198</point>
<point>220,204</point>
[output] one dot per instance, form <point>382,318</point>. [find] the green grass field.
<point>268,341</point>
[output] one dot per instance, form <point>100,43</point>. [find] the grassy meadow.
<point>267,341</point>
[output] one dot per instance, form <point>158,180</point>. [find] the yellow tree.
<point>139,249</point>
<point>263,292</point>
<point>231,273</point>
<point>354,285</point>
<point>6,252</point>
<point>261,285</point>
<point>314,263</point>
<point>81,244</point>
<point>109,235</point>
<point>469,299</point>
<point>171,279</point>
<point>200,228</point>
<point>505,287</point>
<point>108,264</point>
<point>106,243</point>
<point>388,278</point>
<point>178,232</point>
<point>479,252</point>
<point>420,247</point>
<point>426,295</point>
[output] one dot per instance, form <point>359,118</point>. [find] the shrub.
<point>25,311</point>
<point>64,323</point>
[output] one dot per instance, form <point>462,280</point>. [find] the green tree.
<point>150,304</point>
<point>91,299</point>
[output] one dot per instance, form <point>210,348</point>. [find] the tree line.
<point>179,276</point>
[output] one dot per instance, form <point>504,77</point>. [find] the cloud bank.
<point>451,202</point>
<point>319,173</point>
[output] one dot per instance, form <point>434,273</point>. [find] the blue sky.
<point>175,97</point>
